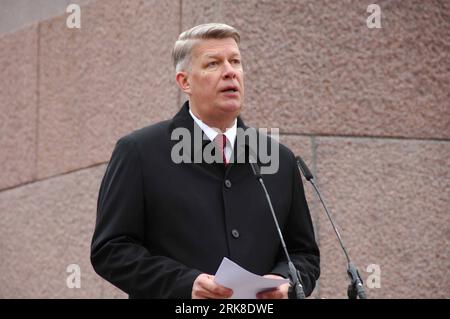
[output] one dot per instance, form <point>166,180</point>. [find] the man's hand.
<point>279,293</point>
<point>204,287</point>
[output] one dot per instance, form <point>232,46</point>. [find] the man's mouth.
<point>230,89</point>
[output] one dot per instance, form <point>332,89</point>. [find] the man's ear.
<point>183,82</point>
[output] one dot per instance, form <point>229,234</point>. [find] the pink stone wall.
<point>368,109</point>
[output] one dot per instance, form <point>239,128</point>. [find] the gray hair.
<point>181,53</point>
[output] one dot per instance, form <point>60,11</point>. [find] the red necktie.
<point>221,141</point>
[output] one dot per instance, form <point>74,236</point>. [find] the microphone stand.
<point>355,288</point>
<point>296,287</point>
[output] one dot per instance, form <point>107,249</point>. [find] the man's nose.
<point>229,71</point>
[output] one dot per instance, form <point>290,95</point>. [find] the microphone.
<point>296,287</point>
<point>355,288</point>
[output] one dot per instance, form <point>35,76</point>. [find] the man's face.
<point>216,81</point>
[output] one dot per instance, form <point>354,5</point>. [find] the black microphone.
<point>305,170</point>
<point>355,288</point>
<point>296,287</point>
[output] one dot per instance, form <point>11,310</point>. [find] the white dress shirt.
<point>230,134</point>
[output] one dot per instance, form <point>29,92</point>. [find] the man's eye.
<point>211,64</point>
<point>236,61</point>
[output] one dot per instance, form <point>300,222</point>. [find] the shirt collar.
<point>230,133</point>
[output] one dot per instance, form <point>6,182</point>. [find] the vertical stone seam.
<point>180,29</point>
<point>315,203</point>
<point>38,101</point>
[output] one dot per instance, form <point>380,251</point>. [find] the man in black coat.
<point>165,219</point>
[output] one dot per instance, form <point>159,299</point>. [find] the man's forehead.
<point>216,48</point>
<point>214,54</point>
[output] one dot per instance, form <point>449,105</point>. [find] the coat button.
<point>235,233</point>
<point>227,183</point>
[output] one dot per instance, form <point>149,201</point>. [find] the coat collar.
<point>184,120</point>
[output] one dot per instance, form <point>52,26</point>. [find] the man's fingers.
<point>204,286</point>
<point>281,292</point>
<point>214,289</point>
<point>270,294</point>
<point>278,293</point>
<point>202,293</point>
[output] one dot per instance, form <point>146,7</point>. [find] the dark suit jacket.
<point>160,224</point>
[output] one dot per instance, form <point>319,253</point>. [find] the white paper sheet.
<point>245,284</point>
